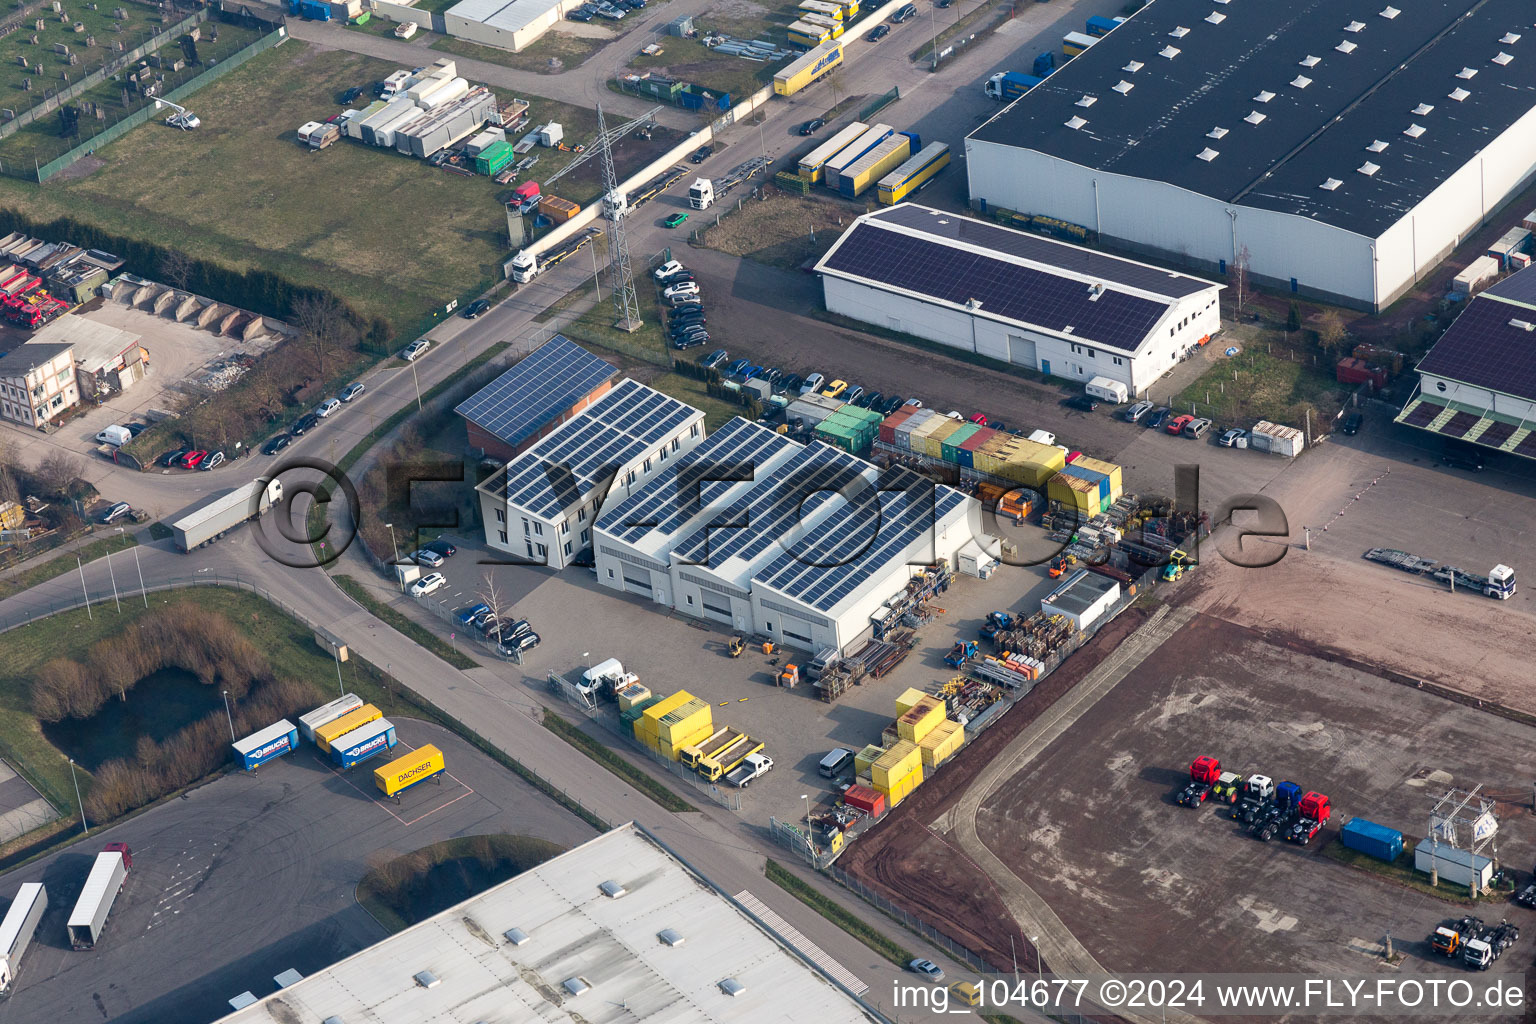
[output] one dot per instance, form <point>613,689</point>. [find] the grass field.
<point>1266,380</point>
<point>570,50</point>
<point>387,233</point>
<point>60,564</point>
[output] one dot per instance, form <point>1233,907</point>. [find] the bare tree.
<point>1240,276</point>
<point>9,490</point>
<point>176,268</point>
<point>58,473</point>
<point>492,596</point>
<point>1331,332</point>
<point>323,322</point>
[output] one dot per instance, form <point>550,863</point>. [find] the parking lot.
<point>1091,825</point>
<point>250,875</point>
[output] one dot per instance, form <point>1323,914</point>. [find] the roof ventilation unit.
<point>1458,94</point>
<point>1216,133</point>
<point>1215,17</point>
<point>613,890</point>
<point>1502,59</point>
<point>1413,131</point>
<point>1123,87</point>
<point>1467,74</point>
<point>1522,325</point>
<point>1301,81</point>
<point>1377,146</point>
<point>1094,291</point>
<point>1076,123</point>
<point>426,979</point>
<point>1310,61</point>
<point>516,936</point>
<point>1254,117</point>
<point>1207,154</point>
<point>575,986</point>
<point>1423,108</point>
<point>1133,67</point>
<point>1264,96</point>
<point>1086,101</point>
<point>1330,184</point>
<point>1368,169</point>
<point>671,937</point>
<point>1169,51</point>
<point>1510,38</point>
<point>1355,26</point>
<point>732,987</point>
<point>1347,46</point>
<point>1179,32</point>
<point>1390,12</point>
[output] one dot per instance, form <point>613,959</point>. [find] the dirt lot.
<point>782,230</point>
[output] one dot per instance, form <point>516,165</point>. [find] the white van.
<point>1108,390</point>
<point>835,763</point>
<point>1043,437</point>
<point>115,436</point>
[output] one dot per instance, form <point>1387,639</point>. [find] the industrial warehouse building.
<point>1478,384</point>
<point>802,543</point>
<point>1347,147</point>
<point>615,931</point>
<point>542,505</point>
<point>543,390</point>
<point>1017,297</point>
<point>508,24</point>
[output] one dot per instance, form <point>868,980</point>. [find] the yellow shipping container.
<point>633,694</point>
<point>673,747</point>
<point>345,724</point>
<point>931,442</point>
<point>1076,492</point>
<point>898,789</point>
<point>690,719</point>
<point>902,757</point>
<point>941,744</point>
<point>920,721</point>
<point>421,763</point>
<point>1109,469</point>
<point>667,705</point>
<point>866,757</point>
<point>905,701</point>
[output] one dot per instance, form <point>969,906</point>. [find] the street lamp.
<point>78,802</point>
<point>1033,941</point>
<point>113,574</point>
<point>396,549</point>
<point>810,847</point>
<point>229,716</point>
<point>143,592</point>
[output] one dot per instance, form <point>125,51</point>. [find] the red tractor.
<point>1203,774</point>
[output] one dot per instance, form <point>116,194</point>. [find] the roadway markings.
<point>191,868</point>
<point>380,801</point>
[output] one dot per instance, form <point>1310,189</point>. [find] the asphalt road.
<point>251,875</point>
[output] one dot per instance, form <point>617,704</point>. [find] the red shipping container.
<point>890,423</point>
<point>865,799</point>
<point>1357,371</point>
<point>978,439</point>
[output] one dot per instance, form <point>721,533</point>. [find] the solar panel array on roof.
<point>1459,424</point>
<point>859,538</point>
<point>1071,259</point>
<point>1519,287</point>
<point>1488,347</point>
<point>542,385</point>
<point>1497,433</point>
<point>1527,446</point>
<point>1002,288</point>
<point>563,468</point>
<point>729,459</point>
<point>1423,414</point>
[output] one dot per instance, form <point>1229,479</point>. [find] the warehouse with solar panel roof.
<point>1347,146</point>
<point>544,389</point>
<point>799,543</point>
<point>1021,298</point>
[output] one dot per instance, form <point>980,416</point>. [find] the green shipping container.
<point>950,447</point>
<point>493,158</point>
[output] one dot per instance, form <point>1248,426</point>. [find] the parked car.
<point>853,395</point>
<point>941,4</point>
<point>926,969</point>
<point>1351,424</point>
<point>701,154</point>
<point>467,616</point>
<point>680,289</point>
<point>773,375</point>
<point>813,383</point>
<point>714,359</point>
<point>611,12</point>
<point>751,371</point>
<point>170,457</point>
<point>979,419</point>
<point>813,126</point>
<point>476,309</point>
<point>696,339</point>
<point>878,33</point>
<point>999,426</point>
<point>428,583</point>
<point>1178,423</point>
<point>675,220</point>
<point>519,643</point>
<point>792,383</point>
<point>1196,428</point>
<point>136,428</point>
<point>913,403</point>
<point>676,277</point>
<point>1157,417</point>
<point>1462,456</point>
<point>115,512</point>
<point>1087,403</point>
<point>351,391</point>
<point>431,559</point>
<point>873,400</point>
<point>415,349</point>
<point>904,13</point>
<point>739,366</point>
<point>956,415</point>
<point>277,444</point>
<point>306,422</point>
<point>351,95</point>
<point>891,404</point>
<point>327,407</point>
<point>579,15</point>
<point>192,458</point>
<point>213,461</point>
<point>1137,411</point>
<point>835,389</point>
<point>667,269</point>
<point>1233,438</point>
<point>441,547</point>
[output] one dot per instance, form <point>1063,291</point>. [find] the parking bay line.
<point>468,791</point>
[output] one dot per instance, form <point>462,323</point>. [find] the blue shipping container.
<point>273,741</point>
<point>1370,838</point>
<point>359,745</point>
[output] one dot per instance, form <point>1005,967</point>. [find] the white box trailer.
<point>327,713</point>
<point>17,929</point>
<point>101,888</point>
<point>212,519</point>
<point>1107,390</point>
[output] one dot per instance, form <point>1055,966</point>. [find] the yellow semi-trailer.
<point>913,174</point>
<point>326,734</point>
<point>812,163</point>
<point>806,69</point>
<point>884,158</point>
<point>421,764</point>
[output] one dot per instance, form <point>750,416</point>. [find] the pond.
<point>157,707</point>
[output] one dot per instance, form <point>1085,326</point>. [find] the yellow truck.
<point>421,764</point>
<point>716,744</point>
<point>712,768</point>
<point>345,724</point>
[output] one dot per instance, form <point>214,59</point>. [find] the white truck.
<point>102,885</point>
<point>17,929</point>
<point>750,768</point>
<point>528,265</point>
<point>212,519</point>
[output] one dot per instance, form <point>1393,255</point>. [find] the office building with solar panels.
<point>802,543</point>
<point>541,507</point>
<point>544,389</point>
<point>1478,384</point>
<point>1021,298</point>
<point>1348,145</point>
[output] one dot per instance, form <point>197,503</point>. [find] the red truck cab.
<point>123,849</point>
<point>1205,770</point>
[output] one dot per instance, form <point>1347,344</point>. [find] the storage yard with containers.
<point>860,156</point>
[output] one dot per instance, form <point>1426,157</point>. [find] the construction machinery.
<point>1179,563</point>
<point>962,652</point>
<point>736,645</point>
<point>1060,564</point>
<point>33,308</point>
<point>1499,584</point>
<point>182,118</point>
<point>1203,773</point>
<point>995,624</point>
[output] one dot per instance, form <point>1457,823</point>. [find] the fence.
<point>42,172</point>
<point>879,103</point>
